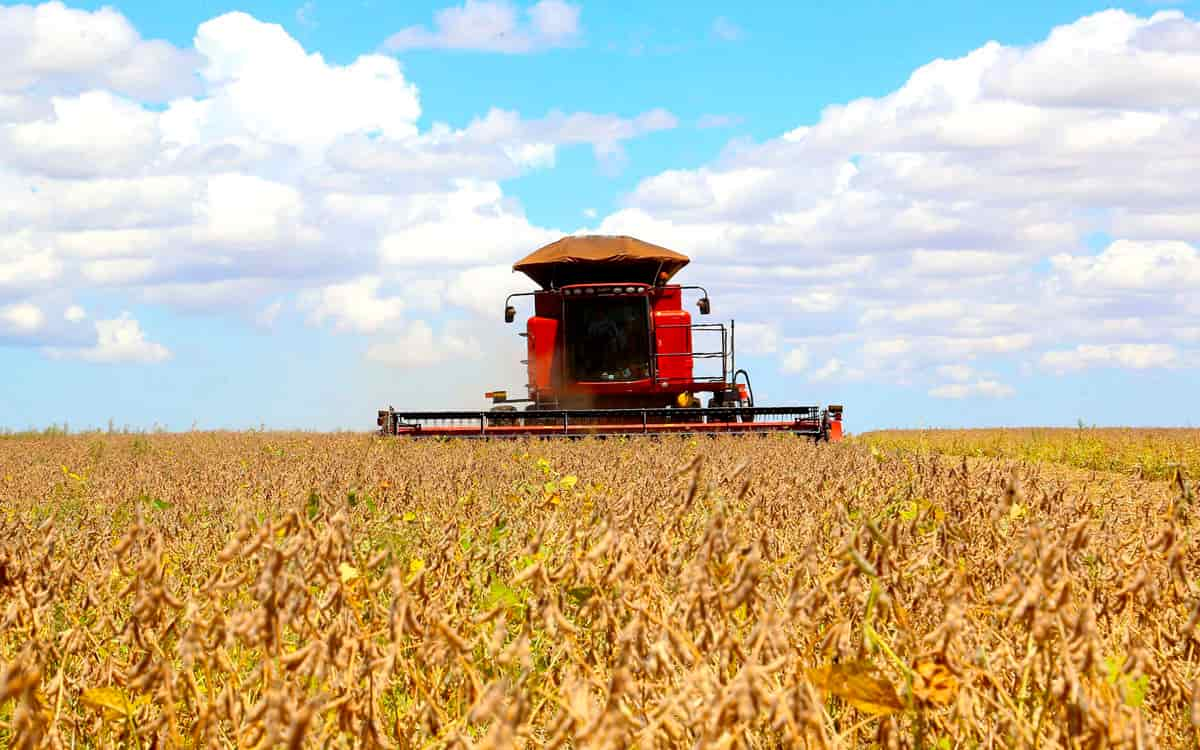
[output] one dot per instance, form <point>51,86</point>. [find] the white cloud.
<point>828,371</point>
<point>268,315</point>
<point>92,134</point>
<point>757,338</point>
<point>956,192</point>
<point>887,348</point>
<point>21,319</point>
<point>68,50</point>
<point>26,262</point>
<point>466,228</point>
<point>355,305</point>
<point>428,295</point>
<point>74,314</point>
<point>943,224</point>
<point>418,346</point>
<point>1130,266</point>
<point>483,289</point>
<point>261,83</point>
<point>1150,222</point>
<point>933,310</point>
<point>117,340</point>
<point>498,145</point>
<point>980,388</point>
<point>1103,61</point>
<point>220,296</point>
<point>248,211</point>
<point>494,26</point>
<point>957,373</point>
<point>817,301</point>
<point>796,361</point>
<point>555,19</point>
<point>1129,356</point>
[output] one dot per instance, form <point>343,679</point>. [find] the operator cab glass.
<point>608,338</point>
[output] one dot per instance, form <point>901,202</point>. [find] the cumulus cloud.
<point>946,224</point>
<point>354,305</point>
<point>20,319</point>
<point>273,174</point>
<point>26,262</point>
<point>92,134</point>
<point>494,26</point>
<point>1131,266</point>
<point>499,145</point>
<point>979,388</point>
<point>1132,356</point>
<point>120,340</point>
<point>466,228</point>
<point>260,82</point>
<point>1102,61</point>
<point>65,50</point>
<point>831,370</point>
<point>482,289</point>
<point>955,193</point>
<point>957,373</point>
<point>757,338</point>
<point>248,211</point>
<point>795,361</point>
<point>418,346</point>
<point>817,301</point>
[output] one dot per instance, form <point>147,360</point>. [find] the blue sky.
<point>292,214</point>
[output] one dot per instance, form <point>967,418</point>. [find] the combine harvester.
<point>610,352</point>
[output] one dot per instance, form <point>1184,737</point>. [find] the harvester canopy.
<point>595,259</point>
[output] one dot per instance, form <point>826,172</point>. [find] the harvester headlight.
<point>590,290</point>
<point>630,289</point>
<point>684,400</point>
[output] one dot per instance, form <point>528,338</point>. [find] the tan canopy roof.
<point>573,259</point>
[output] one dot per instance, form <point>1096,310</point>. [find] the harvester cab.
<point>611,348</point>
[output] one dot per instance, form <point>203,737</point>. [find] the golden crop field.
<point>259,590</point>
<point>1147,453</point>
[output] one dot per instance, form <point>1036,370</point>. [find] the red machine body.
<point>649,346</point>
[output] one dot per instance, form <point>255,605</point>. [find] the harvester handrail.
<point>723,354</point>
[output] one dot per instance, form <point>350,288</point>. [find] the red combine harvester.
<point>610,352</point>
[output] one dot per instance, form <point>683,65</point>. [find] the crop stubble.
<point>262,590</point>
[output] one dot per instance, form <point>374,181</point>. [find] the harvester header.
<point>612,349</point>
